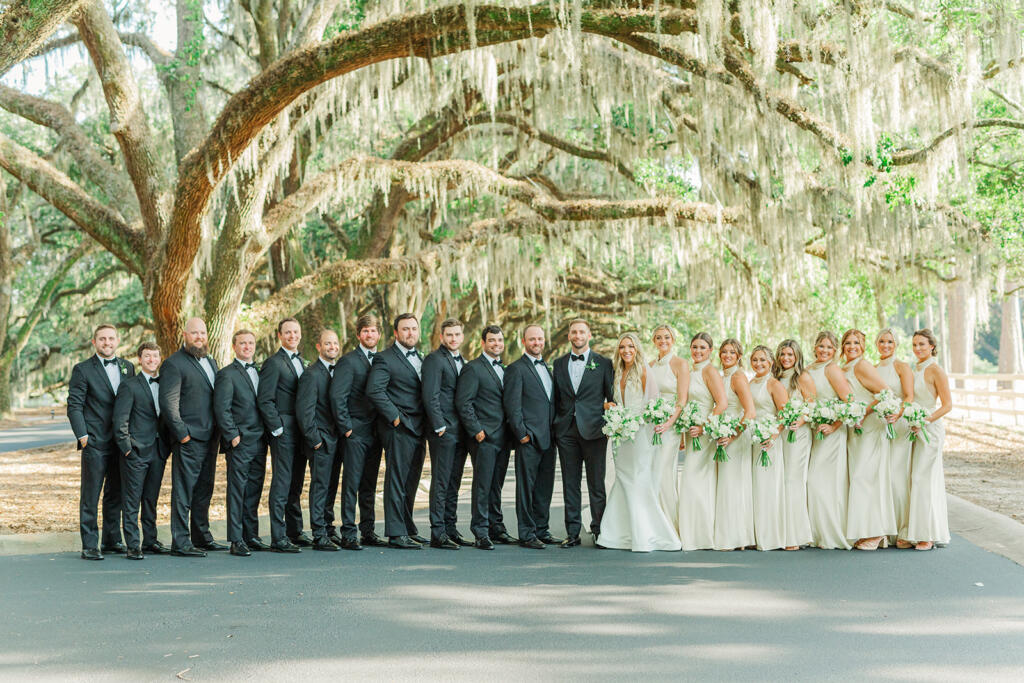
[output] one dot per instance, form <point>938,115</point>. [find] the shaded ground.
<point>985,465</point>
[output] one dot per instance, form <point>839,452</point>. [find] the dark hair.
<point>320,337</point>
<point>798,366</point>
<point>239,333</point>
<point>367,320</point>
<point>930,336</point>
<point>403,316</point>
<point>287,320</point>
<point>104,326</point>
<point>736,345</point>
<point>705,337</point>
<point>147,346</point>
<point>490,329</point>
<point>450,322</point>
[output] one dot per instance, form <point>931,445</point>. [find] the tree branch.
<point>25,24</point>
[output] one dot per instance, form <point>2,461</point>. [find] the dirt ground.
<point>39,487</point>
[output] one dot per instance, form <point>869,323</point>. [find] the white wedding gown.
<point>633,518</point>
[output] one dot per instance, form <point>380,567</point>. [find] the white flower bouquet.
<point>763,429</point>
<point>721,427</point>
<point>916,416</point>
<point>852,413</point>
<point>657,412</point>
<point>888,404</point>
<point>825,411</point>
<point>689,418</point>
<point>791,413</point>
<point>620,425</point>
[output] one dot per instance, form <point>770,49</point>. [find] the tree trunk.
<point>1011,344</point>
<point>961,312</point>
<point>5,387</point>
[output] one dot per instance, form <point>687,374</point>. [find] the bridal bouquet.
<point>722,427</point>
<point>790,415</point>
<point>825,411</point>
<point>690,417</point>
<point>620,425</point>
<point>763,429</point>
<point>657,412</point>
<point>852,413</point>
<point>888,404</point>
<point>916,416</point>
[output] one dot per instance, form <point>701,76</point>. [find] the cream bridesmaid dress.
<point>900,450</point>
<point>869,512</point>
<point>928,519</point>
<point>827,480</point>
<point>734,504</point>
<point>795,456</point>
<point>698,476</point>
<point>769,483</point>
<point>667,459</point>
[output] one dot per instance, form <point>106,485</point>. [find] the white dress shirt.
<point>577,368</point>
<point>498,370</point>
<point>113,371</point>
<point>154,388</point>
<point>542,371</point>
<point>329,365</point>
<point>367,352</point>
<point>460,362</point>
<point>414,360</point>
<point>253,375</point>
<point>296,362</point>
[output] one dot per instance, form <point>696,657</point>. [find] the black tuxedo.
<point>320,436</point>
<point>530,411</point>
<point>235,408</point>
<point>90,411</point>
<point>447,452</point>
<point>578,421</point>
<point>395,389</point>
<point>186,407</point>
<point>141,436</point>
<point>278,382</point>
<point>478,398</point>
<point>360,450</point>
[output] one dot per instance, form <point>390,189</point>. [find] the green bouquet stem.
<point>721,455</point>
<point>820,436</point>
<point>765,460</point>
<point>890,431</point>
<point>696,444</point>
<point>791,436</point>
<point>657,439</point>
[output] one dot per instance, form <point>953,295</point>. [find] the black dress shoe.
<point>324,543</point>
<point>460,540</point>
<point>212,546</point>
<point>444,543</point>
<point>374,540</point>
<point>350,544</point>
<point>302,540</point>
<point>483,544</point>
<point>403,543</point>
<point>335,538</point>
<point>419,539</point>
<point>285,547</point>
<point>550,540</point>
<point>187,552</point>
<point>240,549</point>
<point>156,548</point>
<point>503,538</point>
<point>533,543</point>
<point>91,554</point>
<point>134,554</point>
<point>256,544</point>
<point>571,542</point>
<point>116,549</point>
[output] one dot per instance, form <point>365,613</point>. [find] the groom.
<point>583,383</point>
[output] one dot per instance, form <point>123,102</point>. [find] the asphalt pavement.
<point>43,434</point>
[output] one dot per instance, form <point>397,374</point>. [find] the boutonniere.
<point>124,370</point>
<point>592,365</point>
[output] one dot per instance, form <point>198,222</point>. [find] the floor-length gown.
<point>928,519</point>
<point>869,511</point>
<point>768,483</point>
<point>900,449</point>
<point>734,504</point>
<point>667,460</point>
<point>698,475</point>
<point>633,519</point>
<point>827,479</point>
<point>795,456</point>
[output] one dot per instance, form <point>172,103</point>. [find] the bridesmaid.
<point>928,523</point>
<point>734,505</point>
<point>769,483</point>
<point>698,475</point>
<point>789,370</point>
<point>900,379</point>
<point>869,516</point>
<point>672,380</point>
<point>827,480</point>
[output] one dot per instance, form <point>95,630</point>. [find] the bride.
<point>633,519</point>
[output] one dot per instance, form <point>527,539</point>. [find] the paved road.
<point>58,431</point>
<point>954,613</point>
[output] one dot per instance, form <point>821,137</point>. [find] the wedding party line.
<point>835,454</point>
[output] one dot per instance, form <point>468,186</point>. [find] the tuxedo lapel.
<point>451,361</point>
<point>99,368</point>
<point>199,367</point>
<point>562,368</point>
<point>401,354</point>
<point>288,361</point>
<point>144,383</point>
<point>490,370</point>
<point>536,375</point>
<point>245,375</point>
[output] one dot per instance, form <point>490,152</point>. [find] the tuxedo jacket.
<point>278,382</point>
<point>186,397</point>
<point>91,400</point>
<point>136,425</point>
<point>440,376</point>
<point>353,410</point>
<point>527,407</point>
<point>313,405</point>
<point>394,387</point>
<point>585,405</point>
<point>478,399</point>
<point>235,407</point>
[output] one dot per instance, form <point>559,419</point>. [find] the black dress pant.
<point>332,486</point>
<point>101,471</point>
<point>361,454</point>
<point>573,453</point>
<point>447,461</point>
<point>142,474</point>
<point>490,465</point>
<point>247,466</point>
<point>404,453</point>
<point>300,460</point>
<point>535,482</point>
<point>321,463</point>
<point>192,472</point>
<point>283,523</point>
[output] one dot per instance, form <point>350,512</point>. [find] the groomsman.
<point>144,446</point>
<point>441,369</point>
<point>583,383</point>
<point>186,406</point>
<point>478,398</point>
<point>360,443</point>
<point>394,387</point>
<point>241,434</point>
<point>319,432</point>
<point>91,392</point>
<point>530,409</point>
<point>279,378</point>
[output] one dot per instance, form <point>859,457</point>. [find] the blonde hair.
<point>887,330</point>
<point>856,334</point>
<point>636,372</point>
<point>735,344</point>
<point>798,366</point>
<point>825,334</point>
<point>667,328</point>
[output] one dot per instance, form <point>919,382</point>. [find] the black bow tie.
<point>330,369</point>
<point>411,353</point>
<point>580,358</point>
<point>293,356</point>
<point>457,359</point>
<point>154,380</point>
<point>109,361</point>
<point>496,363</point>
<point>370,355</point>
<point>538,362</point>
<point>246,366</point>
